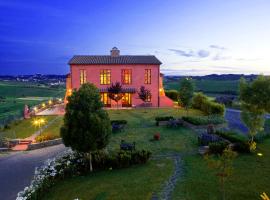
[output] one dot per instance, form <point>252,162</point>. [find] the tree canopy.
<point>86,125</point>
<point>186,92</point>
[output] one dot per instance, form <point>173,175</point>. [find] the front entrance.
<point>126,100</point>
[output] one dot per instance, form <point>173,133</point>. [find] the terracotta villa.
<point>132,71</point>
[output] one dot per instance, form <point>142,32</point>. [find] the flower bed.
<point>71,163</point>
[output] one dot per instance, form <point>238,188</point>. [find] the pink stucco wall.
<point>93,76</point>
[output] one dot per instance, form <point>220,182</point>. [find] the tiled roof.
<point>105,60</point>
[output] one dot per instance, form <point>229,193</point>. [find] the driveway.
<point>17,169</point>
<point>233,117</point>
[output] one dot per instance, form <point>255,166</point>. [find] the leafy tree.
<point>255,102</point>
<point>186,92</point>
<point>86,125</point>
<point>223,166</point>
<point>256,93</point>
<point>115,92</point>
<point>144,94</point>
<point>253,119</point>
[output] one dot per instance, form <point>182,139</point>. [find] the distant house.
<point>132,71</point>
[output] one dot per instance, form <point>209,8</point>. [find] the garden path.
<point>169,185</point>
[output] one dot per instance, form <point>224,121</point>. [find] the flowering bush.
<point>71,163</point>
<point>67,164</point>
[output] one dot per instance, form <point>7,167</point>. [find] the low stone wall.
<point>44,144</point>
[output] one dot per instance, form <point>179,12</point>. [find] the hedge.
<point>172,94</point>
<point>201,102</point>
<point>204,120</point>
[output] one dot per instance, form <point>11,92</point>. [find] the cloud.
<point>203,53</point>
<point>219,56</point>
<point>199,54</point>
<point>217,47</point>
<point>183,53</point>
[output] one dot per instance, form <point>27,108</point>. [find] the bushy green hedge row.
<point>218,147</point>
<point>164,118</point>
<point>240,142</point>
<point>121,159</point>
<point>204,120</point>
<point>172,94</point>
<point>208,107</point>
<point>117,122</point>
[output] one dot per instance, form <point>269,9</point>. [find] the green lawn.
<point>54,129</point>
<point>250,178</point>
<point>23,128</point>
<point>138,182</point>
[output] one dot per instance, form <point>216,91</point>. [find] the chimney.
<point>115,52</point>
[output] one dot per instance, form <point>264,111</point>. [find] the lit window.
<point>105,99</point>
<point>82,76</point>
<point>147,76</point>
<point>105,76</point>
<point>148,98</point>
<point>126,76</point>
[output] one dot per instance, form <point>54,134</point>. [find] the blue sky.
<point>190,37</point>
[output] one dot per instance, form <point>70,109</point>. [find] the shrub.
<point>204,120</point>
<point>165,118</point>
<point>218,147</point>
<point>118,122</point>
<point>45,137</point>
<point>198,100</point>
<point>172,94</point>
<point>71,163</point>
<point>212,108</point>
<point>157,136</point>
<point>232,136</point>
<point>205,139</point>
<point>241,147</point>
<point>240,142</point>
<point>201,102</point>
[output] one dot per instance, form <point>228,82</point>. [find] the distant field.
<point>14,95</point>
<point>14,89</point>
<point>209,86</point>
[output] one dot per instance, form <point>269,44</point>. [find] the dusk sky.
<point>190,37</point>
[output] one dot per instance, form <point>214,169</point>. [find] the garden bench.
<point>117,127</point>
<point>127,146</point>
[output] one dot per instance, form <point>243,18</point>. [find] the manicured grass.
<point>23,128</point>
<point>249,179</point>
<point>141,128</point>
<point>54,129</point>
<point>138,182</point>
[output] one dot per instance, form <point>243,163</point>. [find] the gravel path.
<point>167,190</point>
<point>17,169</point>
